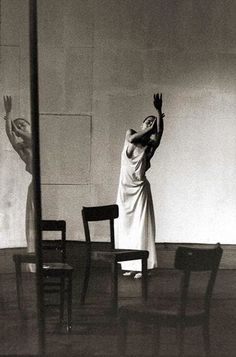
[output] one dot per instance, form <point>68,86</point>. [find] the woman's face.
<point>23,125</point>
<point>148,122</point>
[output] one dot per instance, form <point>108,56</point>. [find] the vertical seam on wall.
<point>92,99</point>
<point>90,154</point>
<point>0,38</point>
<point>19,79</point>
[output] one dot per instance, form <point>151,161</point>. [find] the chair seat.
<point>120,255</point>
<point>169,316</point>
<point>57,268</point>
<point>25,258</point>
<point>31,258</point>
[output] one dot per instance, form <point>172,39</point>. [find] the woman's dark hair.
<point>150,116</point>
<point>16,119</point>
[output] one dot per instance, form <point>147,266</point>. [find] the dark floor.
<point>94,331</point>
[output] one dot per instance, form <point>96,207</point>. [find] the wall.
<point>100,63</point>
<point>66,87</point>
<point>14,81</point>
<point>105,59</point>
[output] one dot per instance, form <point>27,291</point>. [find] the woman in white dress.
<point>19,134</point>
<point>135,227</point>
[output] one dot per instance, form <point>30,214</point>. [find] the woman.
<point>19,134</point>
<point>135,227</point>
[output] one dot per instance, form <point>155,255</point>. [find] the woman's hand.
<point>7,104</point>
<point>157,101</point>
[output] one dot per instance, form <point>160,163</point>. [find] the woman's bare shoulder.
<point>130,132</point>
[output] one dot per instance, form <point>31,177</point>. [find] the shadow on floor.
<point>94,331</point>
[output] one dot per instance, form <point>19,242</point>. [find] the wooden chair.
<point>189,261</point>
<point>113,256</point>
<point>56,268</point>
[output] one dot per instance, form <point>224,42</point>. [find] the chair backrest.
<point>100,213</point>
<point>58,245</point>
<point>197,260</point>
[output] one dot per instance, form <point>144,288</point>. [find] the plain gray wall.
<point>100,63</point>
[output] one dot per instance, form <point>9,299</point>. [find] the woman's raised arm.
<point>17,146</point>
<point>8,124</point>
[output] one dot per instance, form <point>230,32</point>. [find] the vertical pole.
<point>34,104</point>
<point>114,286</point>
<point>144,280</point>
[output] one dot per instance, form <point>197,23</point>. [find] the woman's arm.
<point>17,146</point>
<point>8,121</point>
<point>155,138</point>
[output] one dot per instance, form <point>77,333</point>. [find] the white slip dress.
<point>135,226</point>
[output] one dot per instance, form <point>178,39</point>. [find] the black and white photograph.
<point>118,178</point>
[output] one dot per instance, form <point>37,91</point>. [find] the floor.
<point>94,331</point>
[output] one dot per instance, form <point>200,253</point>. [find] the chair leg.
<point>144,280</point>
<point>19,289</point>
<point>69,303</point>
<point>86,279</point>
<point>62,298</point>
<point>156,340</point>
<point>122,336</point>
<point>114,286</point>
<point>180,338</point>
<point>206,338</point>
